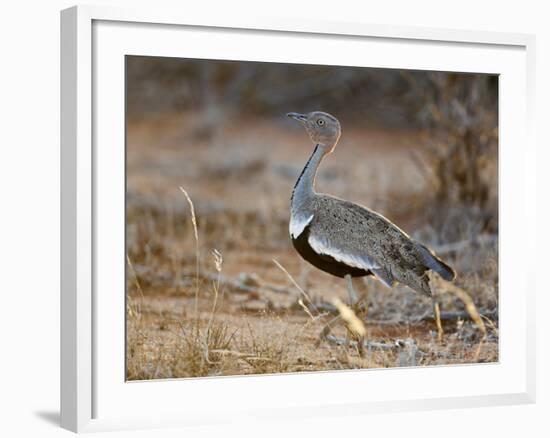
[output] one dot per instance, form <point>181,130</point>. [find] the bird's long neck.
<point>305,185</point>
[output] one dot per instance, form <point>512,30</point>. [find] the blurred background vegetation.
<point>457,111</point>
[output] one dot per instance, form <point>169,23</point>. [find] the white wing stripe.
<point>361,261</point>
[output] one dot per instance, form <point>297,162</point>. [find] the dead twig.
<point>302,291</point>
<point>396,345</point>
<point>238,285</point>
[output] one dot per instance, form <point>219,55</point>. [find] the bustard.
<point>348,240</point>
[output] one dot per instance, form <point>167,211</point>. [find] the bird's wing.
<point>358,237</point>
<point>324,245</point>
<point>385,276</point>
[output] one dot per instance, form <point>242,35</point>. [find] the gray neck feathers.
<point>304,188</point>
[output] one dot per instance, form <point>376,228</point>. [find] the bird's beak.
<point>297,116</point>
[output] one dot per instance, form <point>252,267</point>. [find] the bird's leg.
<point>351,292</point>
<point>361,308</point>
<point>362,304</point>
<point>352,301</point>
<point>355,303</point>
<point>437,318</point>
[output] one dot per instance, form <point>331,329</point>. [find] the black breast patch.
<point>325,262</point>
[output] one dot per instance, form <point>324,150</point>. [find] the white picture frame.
<point>94,395</point>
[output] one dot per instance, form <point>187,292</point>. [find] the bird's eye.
<point>320,122</point>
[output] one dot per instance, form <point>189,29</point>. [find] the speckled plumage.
<point>344,238</point>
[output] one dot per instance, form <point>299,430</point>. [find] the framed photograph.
<point>261,218</point>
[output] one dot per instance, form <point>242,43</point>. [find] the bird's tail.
<point>436,264</point>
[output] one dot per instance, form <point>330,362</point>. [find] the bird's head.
<point>323,128</point>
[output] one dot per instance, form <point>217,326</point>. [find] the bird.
<point>348,240</point>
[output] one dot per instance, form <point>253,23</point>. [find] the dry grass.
<point>206,299</point>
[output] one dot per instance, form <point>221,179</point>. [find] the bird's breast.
<point>298,222</point>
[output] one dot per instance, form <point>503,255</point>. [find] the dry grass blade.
<point>466,299</point>
<point>354,324</point>
<point>136,279</point>
<point>218,261</point>
<point>135,309</point>
<point>303,306</point>
<point>302,291</point>
<point>470,306</point>
<point>192,207</point>
<point>197,253</point>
